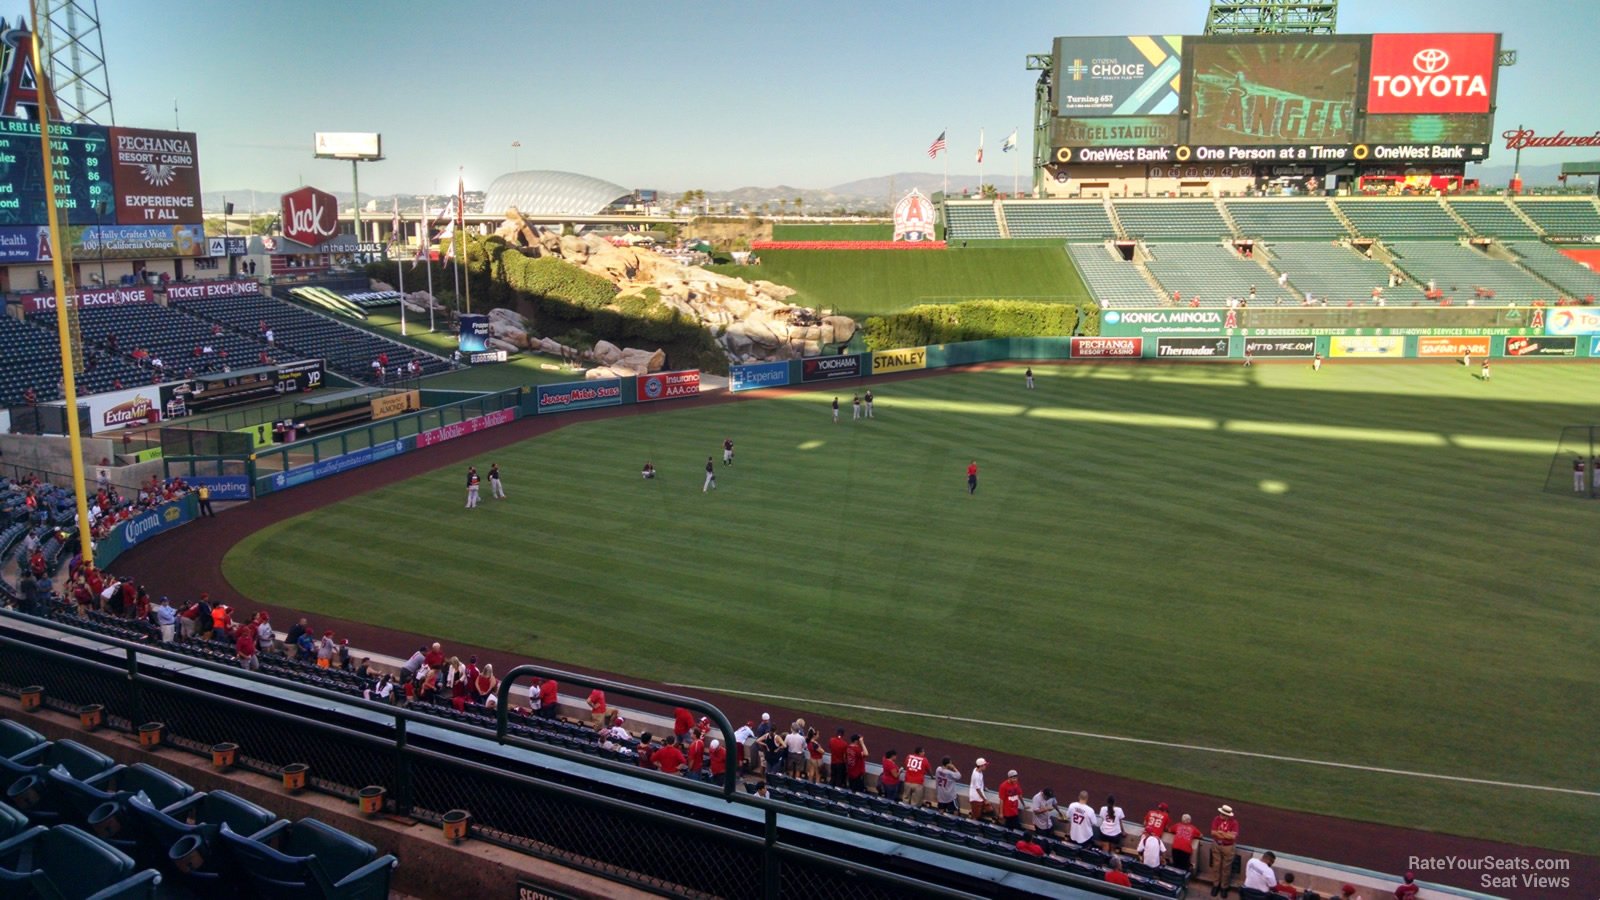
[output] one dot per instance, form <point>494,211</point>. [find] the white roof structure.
<point>545,192</point>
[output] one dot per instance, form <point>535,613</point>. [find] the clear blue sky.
<point>712,95</point>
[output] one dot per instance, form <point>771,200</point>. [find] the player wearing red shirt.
<point>1225,833</point>
<point>1011,800</point>
<point>838,748</point>
<point>1158,821</point>
<point>669,758</point>
<point>916,773</point>
<point>972,478</point>
<point>1183,837</point>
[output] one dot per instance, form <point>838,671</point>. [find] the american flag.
<point>937,146</point>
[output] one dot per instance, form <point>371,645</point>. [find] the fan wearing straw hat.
<point>1224,834</point>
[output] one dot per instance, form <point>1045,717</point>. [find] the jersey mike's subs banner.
<point>1295,347</point>
<point>904,360</point>
<point>580,395</point>
<point>1541,346</point>
<point>829,368</point>
<point>1107,347</point>
<point>667,385</point>
<point>1472,345</point>
<point>758,375</point>
<point>1361,346</point>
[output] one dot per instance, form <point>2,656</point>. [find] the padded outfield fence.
<point>662,833</point>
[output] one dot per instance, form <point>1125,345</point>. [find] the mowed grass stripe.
<point>1411,604</point>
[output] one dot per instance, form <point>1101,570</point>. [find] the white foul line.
<point>1132,740</point>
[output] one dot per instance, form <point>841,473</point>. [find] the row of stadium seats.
<point>1458,271</point>
<point>167,334</point>
<point>1557,268</point>
<point>1308,219</point>
<point>75,824</point>
<point>1111,279</point>
<point>1336,273</point>
<point>1213,273</point>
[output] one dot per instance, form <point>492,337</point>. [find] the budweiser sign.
<point>1431,73</point>
<point>310,216</point>
<point>1526,138</point>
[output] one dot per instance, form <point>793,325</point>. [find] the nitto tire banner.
<point>1107,347</point>
<point>1452,347</point>
<point>885,361</point>
<point>1390,347</point>
<point>1541,346</point>
<point>1193,348</point>
<point>758,375</point>
<point>829,368</point>
<point>579,395</point>
<point>667,385</point>
<point>1296,347</point>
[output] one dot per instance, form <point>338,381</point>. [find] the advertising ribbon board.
<point>580,395</point>
<point>334,465</point>
<point>207,289</point>
<point>1391,347</point>
<point>1193,348</point>
<point>395,404</point>
<point>223,487</point>
<point>463,428</point>
<point>829,368</point>
<point>758,375</point>
<point>1152,322</point>
<point>1107,347</point>
<point>1572,320</point>
<point>904,360</point>
<point>1453,347</point>
<point>1295,347</point>
<point>144,526</point>
<point>96,299</point>
<point>667,385</point>
<point>1541,346</point>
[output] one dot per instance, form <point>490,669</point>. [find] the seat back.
<point>337,853</point>
<point>83,762</point>
<point>239,814</point>
<point>272,874</point>
<point>162,789</point>
<point>79,864</point>
<point>15,738</point>
<point>12,821</point>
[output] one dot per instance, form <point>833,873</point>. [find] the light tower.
<point>76,60</point>
<point>1272,17</point>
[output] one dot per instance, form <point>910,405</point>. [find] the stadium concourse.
<point>189,562</point>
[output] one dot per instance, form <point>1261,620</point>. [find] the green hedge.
<point>976,320</point>
<point>564,300</point>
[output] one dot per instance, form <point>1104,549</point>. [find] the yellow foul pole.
<point>56,234</point>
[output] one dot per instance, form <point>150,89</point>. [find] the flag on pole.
<point>980,146</point>
<point>394,226</point>
<point>461,201</point>
<point>938,146</point>
<point>1010,142</point>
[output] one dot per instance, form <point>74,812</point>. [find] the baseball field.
<point>1209,576</point>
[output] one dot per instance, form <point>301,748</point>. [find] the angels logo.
<point>914,218</point>
<point>159,174</point>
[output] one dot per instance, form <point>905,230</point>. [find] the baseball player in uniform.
<point>1577,475</point>
<point>1316,363</point>
<point>711,476</point>
<point>869,402</point>
<point>472,487</point>
<point>855,411</point>
<point>836,410</point>
<point>1485,370</point>
<point>727,451</point>
<point>972,478</point>
<point>1028,374</point>
<point>494,481</point>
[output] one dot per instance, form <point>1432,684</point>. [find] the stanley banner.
<point>885,361</point>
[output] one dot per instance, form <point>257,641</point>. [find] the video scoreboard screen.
<point>1328,99</point>
<point>81,155</point>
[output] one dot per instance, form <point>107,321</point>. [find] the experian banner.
<point>829,368</point>
<point>1126,75</point>
<point>758,375</point>
<point>579,395</point>
<point>885,361</point>
<point>667,385</point>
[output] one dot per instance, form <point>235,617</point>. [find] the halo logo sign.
<point>1431,73</point>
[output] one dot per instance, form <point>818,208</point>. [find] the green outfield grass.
<point>870,282</point>
<point>1356,566</point>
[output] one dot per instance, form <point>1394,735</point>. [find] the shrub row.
<point>976,320</point>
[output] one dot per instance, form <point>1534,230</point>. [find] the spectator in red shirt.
<point>1286,887</point>
<point>916,774</point>
<point>682,721</point>
<point>813,756</point>
<point>1158,821</point>
<point>1404,892</point>
<point>1029,847</point>
<point>1115,875</point>
<point>435,657</point>
<point>669,758</point>
<point>838,749</point>
<point>855,764</point>
<point>245,647</point>
<point>697,753</point>
<point>549,698</point>
<point>889,777</point>
<point>646,751</point>
<point>1011,800</point>
<point>718,760</point>
<point>597,706</point>
<point>1224,834</point>
<point>1183,835</point>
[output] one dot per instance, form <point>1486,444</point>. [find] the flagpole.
<point>461,217</point>
<point>400,267</point>
<point>1016,164</point>
<point>946,166</point>
<point>980,162</point>
<point>427,255</point>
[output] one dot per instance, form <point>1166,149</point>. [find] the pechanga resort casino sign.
<point>310,216</point>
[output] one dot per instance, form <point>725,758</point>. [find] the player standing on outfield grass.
<point>711,476</point>
<point>472,487</point>
<point>836,410</point>
<point>1485,370</point>
<point>869,403</point>
<point>1248,359</point>
<point>1577,474</point>
<point>972,478</point>
<point>727,451</point>
<point>1028,374</point>
<point>494,481</point>
<point>855,412</point>
<point>1316,363</point>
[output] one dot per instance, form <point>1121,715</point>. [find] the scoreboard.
<point>81,155</point>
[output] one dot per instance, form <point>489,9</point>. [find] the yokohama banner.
<point>1431,73</point>
<point>828,368</point>
<point>667,385</point>
<point>1107,348</point>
